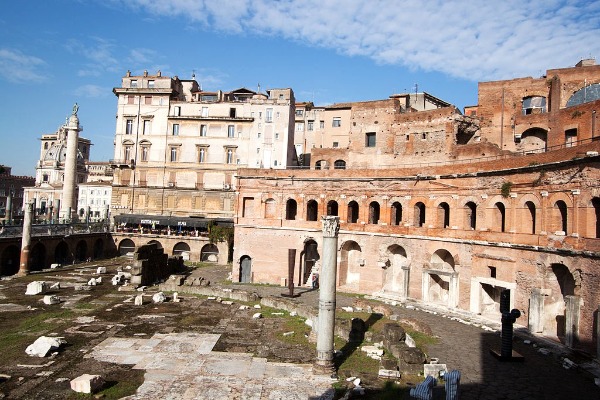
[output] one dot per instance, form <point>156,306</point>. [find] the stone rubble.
<point>44,345</point>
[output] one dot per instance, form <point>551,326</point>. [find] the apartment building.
<point>178,147</point>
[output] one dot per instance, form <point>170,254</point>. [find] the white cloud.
<point>475,40</point>
<point>18,67</point>
<point>91,91</point>
<point>98,53</point>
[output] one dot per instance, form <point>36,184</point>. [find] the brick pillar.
<point>544,223</point>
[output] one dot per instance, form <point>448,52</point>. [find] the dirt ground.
<point>87,317</point>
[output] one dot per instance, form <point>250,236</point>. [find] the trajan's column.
<point>69,194</point>
<point>326,322</point>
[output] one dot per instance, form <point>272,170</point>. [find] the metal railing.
<point>39,230</point>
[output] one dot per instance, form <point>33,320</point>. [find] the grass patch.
<point>421,340</point>
<point>15,338</point>
<point>300,329</point>
<point>121,389</point>
<point>84,306</point>
<point>354,361</point>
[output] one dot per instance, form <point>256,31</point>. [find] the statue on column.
<point>75,109</point>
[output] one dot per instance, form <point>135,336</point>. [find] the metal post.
<point>290,280</point>
<point>326,320</point>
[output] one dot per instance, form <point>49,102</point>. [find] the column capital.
<point>331,225</point>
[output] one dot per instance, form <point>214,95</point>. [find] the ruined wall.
<point>517,239</point>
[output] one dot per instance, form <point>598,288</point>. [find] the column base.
<point>321,367</point>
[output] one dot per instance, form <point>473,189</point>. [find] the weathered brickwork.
<point>517,240</point>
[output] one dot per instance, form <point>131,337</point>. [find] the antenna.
<point>258,87</point>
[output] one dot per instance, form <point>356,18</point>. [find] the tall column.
<point>536,311</point>
<point>8,216</point>
<point>406,281</point>
<point>571,320</point>
<point>26,240</point>
<point>326,320</point>
<point>69,195</point>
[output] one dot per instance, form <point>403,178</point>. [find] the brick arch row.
<point>555,213</point>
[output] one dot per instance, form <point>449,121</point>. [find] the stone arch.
<point>395,271</point>
<point>353,212</point>
<point>499,217</point>
<point>270,208</point>
<point>245,275</point>
<point>182,249</point>
<point>440,280</point>
<point>560,284</point>
<point>291,209</point>
<point>374,212</point>
<point>10,260</point>
<point>396,213</point>
<point>209,253</point>
<point>98,251</point>
<point>81,251</point>
<point>332,208</point>
<point>321,164</point>
<point>126,246</point>
<point>309,258</point>
<point>339,164</point>
<point>350,262</point>
<point>37,257</point>
<point>157,243</point>
<point>312,210</point>
<point>533,139</point>
<point>62,253</point>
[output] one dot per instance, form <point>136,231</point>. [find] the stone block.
<point>36,287</point>
<point>51,299</point>
<point>434,370</point>
<point>87,383</point>
<point>139,300</point>
<point>393,334</point>
<point>101,270</point>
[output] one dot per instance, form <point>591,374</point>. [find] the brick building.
<point>12,186</point>
<point>443,208</point>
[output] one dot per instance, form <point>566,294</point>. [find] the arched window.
<point>396,214</point>
<point>443,216</point>
<point>419,214</point>
<point>321,164</point>
<point>530,217</point>
<point>312,210</point>
<point>561,208</point>
<point>585,95</point>
<point>374,213</point>
<point>534,105</point>
<point>353,212</point>
<point>339,164</point>
<point>332,208</point>
<point>291,209</point>
<point>500,216</point>
<point>471,215</point>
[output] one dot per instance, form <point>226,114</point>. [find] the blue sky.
<point>55,53</point>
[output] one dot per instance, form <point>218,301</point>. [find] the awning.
<point>174,221</point>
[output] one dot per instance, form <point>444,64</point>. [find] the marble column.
<point>327,283</point>
<point>8,216</point>
<point>26,240</point>
<point>69,195</point>
<point>406,281</point>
